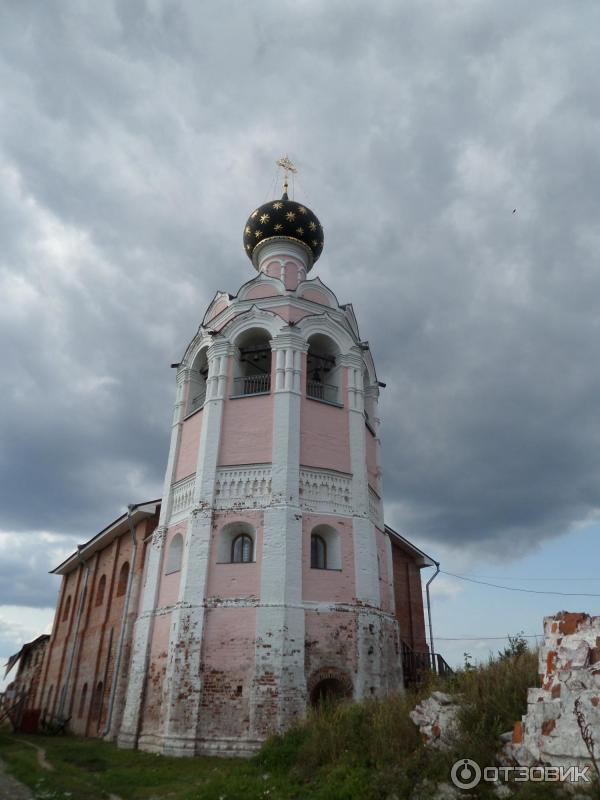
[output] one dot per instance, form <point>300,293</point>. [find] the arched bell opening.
<point>197,387</point>
<point>252,371</point>
<point>323,372</point>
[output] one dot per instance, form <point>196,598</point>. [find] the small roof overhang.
<point>421,558</point>
<point>106,536</point>
<point>24,650</point>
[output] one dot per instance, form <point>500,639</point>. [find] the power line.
<point>517,589</point>
<point>490,638</point>
<point>523,578</point>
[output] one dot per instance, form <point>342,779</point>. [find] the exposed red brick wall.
<point>97,638</point>
<point>409,599</point>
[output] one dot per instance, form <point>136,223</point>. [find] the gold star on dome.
<point>254,213</point>
<point>247,247</point>
<point>302,210</point>
<point>258,234</point>
<point>248,230</point>
<point>300,231</point>
<point>290,216</point>
<point>314,241</point>
<point>264,218</point>
<point>277,205</point>
<point>312,226</point>
<point>277,227</point>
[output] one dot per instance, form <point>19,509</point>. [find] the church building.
<point>265,579</point>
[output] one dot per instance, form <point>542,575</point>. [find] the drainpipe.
<point>113,688</point>
<point>61,705</point>
<point>435,574</point>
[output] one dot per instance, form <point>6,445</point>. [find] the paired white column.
<point>142,632</point>
<point>183,679</point>
<point>370,633</point>
<point>365,548</point>
<point>279,690</point>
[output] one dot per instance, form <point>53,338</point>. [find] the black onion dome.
<point>287,218</point>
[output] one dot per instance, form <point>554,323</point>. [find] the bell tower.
<point>268,583</point>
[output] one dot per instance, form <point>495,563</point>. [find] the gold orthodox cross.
<point>287,166</point>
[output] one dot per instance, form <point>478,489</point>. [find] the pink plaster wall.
<point>262,290</point>
<point>169,584</point>
<point>219,306</point>
<point>235,580</point>
<point>273,269</point>
<point>187,456</point>
<point>371,448</point>
<point>289,314</point>
<point>247,430</point>
<point>385,578</point>
<point>324,435</point>
<point>336,586</point>
<point>316,297</point>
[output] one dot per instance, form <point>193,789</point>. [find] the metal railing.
<point>251,384</point>
<point>197,401</point>
<point>322,391</point>
<point>416,665</point>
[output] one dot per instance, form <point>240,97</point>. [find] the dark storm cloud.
<point>135,139</point>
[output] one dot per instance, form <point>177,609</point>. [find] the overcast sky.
<point>451,151</point>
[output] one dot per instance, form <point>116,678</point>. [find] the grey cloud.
<point>136,138</point>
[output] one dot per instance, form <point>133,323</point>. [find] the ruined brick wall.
<point>151,722</point>
<point>408,597</point>
<point>228,667</point>
<point>30,671</point>
<point>330,642</point>
<point>570,671</point>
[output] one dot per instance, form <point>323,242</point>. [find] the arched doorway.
<point>329,686</point>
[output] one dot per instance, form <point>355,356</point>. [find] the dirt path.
<point>41,755</point>
<point>10,788</point>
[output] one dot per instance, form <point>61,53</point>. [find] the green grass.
<point>357,751</point>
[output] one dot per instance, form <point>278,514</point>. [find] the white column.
<point>142,633</point>
<point>366,572</point>
<point>183,679</point>
<point>279,691</point>
<point>365,549</point>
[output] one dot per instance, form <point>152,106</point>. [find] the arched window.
<point>241,549</point>
<point>49,699</point>
<point>197,387</point>
<point>231,547</point>
<point>82,700</point>
<point>97,700</point>
<point>318,552</point>
<point>123,577</point>
<point>252,373</point>
<point>323,373</point>
<point>325,548</point>
<point>67,608</point>
<point>100,590</point>
<point>174,554</point>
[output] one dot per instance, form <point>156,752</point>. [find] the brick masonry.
<point>569,664</point>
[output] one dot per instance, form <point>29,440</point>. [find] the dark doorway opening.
<point>329,691</point>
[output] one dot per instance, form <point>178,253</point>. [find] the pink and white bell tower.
<point>268,583</point>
